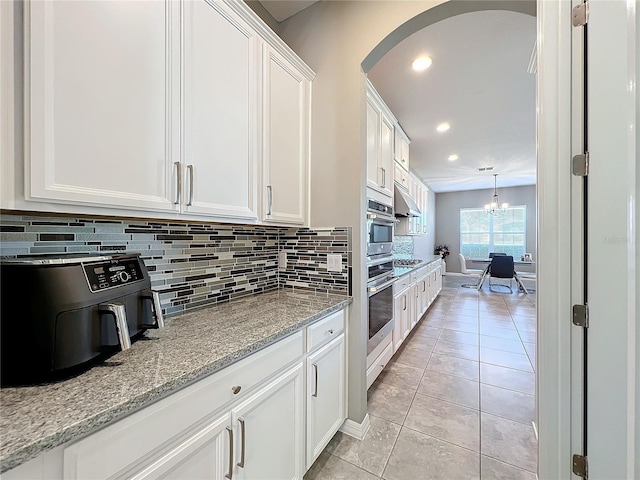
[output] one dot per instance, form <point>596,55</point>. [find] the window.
<point>481,233</point>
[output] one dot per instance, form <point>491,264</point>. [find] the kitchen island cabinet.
<point>159,407</point>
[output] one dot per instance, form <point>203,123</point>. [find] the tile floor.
<point>456,401</point>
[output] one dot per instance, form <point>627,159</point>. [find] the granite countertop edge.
<point>91,424</point>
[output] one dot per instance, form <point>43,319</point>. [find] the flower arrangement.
<point>441,250</point>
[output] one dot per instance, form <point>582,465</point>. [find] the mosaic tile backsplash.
<point>402,246</point>
<point>193,264</point>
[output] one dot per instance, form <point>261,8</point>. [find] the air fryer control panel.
<point>112,273</point>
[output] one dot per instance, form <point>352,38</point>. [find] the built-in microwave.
<point>380,224</point>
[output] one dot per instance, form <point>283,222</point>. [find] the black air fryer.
<point>59,314</point>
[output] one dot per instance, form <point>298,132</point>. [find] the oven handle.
<point>382,217</point>
<point>377,288</point>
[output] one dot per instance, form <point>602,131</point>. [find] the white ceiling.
<point>283,9</point>
<point>479,83</point>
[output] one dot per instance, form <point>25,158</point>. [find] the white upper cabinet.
<point>191,109</point>
<point>373,134</point>
<point>101,103</point>
<point>285,139</point>
<point>401,150</point>
<point>380,146</point>
<point>219,171</point>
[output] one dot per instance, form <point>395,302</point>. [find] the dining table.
<point>485,272</point>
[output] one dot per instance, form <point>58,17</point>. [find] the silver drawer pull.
<point>230,474</point>
<point>330,332</point>
<point>242,432</point>
<point>236,389</point>
<point>315,393</point>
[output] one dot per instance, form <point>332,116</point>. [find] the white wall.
<point>336,39</point>
<point>448,207</point>
<point>333,38</point>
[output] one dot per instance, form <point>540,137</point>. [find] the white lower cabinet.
<point>325,396</point>
<point>246,421</point>
<point>269,431</point>
<point>414,294</point>
<point>401,317</point>
<point>206,454</point>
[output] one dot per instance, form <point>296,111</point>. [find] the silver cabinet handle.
<point>236,389</point>
<point>190,172</point>
<point>384,176</point>
<point>404,297</point>
<point>122,329</point>
<point>315,393</point>
<point>178,183</point>
<point>230,474</point>
<point>242,432</point>
<point>330,331</point>
<point>269,199</point>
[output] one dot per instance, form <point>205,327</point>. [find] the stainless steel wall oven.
<point>380,225</point>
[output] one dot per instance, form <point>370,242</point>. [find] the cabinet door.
<point>400,308</point>
<point>373,144</point>
<point>204,454</point>
<point>285,140</point>
<point>404,160</point>
<point>325,396</point>
<point>269,430</point>
<point>219,171</point>
<point>386,156</point>
<point>102,88</point>
<point>415,307</point>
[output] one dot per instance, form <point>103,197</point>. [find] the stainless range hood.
<point>403,204</point>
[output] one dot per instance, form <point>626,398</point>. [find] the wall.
<point>333,38</point>
<point>448,207</point>
<point>193,264</point>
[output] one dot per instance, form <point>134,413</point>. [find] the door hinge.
<point>580,165</point>
<point>580,466</point>
<point>581,315</point>
<point>580,15</point>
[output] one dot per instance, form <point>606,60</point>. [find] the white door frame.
<point>555,355</point>
<point>613,277</point>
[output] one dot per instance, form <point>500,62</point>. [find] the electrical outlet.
<point>334,262</point>
<point>282,260</point>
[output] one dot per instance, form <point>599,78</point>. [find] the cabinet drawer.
<point>324,330</point>
<point>401,284</point>
<point>379,363</point>
<point>135,440</point>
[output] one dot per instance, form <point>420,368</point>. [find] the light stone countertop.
<point>404,270</point>
<point>34,419</point>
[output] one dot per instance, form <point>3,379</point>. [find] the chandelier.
<point>494,208</point>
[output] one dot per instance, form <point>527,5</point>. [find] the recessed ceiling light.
<point>443,127</point>
<point>420,64</point>
<point>452,158</point>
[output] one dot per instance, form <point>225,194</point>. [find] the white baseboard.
<point>355,429</point>
<point>456,274</point>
